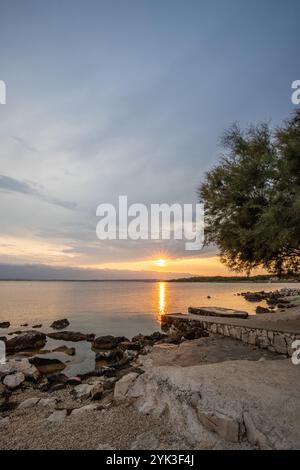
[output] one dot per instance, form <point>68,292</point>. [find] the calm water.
<point>118,308</point>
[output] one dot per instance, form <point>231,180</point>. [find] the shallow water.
<point>117,308</point>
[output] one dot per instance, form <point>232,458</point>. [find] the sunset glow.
<point>161,262</point>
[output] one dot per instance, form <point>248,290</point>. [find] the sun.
<point>161,262</point>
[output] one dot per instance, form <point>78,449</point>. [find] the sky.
<point>128,97</point>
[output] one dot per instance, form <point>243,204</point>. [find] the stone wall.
<point>275,341</point>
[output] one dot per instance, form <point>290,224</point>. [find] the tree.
<point>252,198</point>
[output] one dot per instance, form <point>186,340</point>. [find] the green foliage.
<point>252,199</point>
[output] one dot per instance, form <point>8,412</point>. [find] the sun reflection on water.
<point>162,304</point>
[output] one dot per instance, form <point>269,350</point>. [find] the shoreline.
<point>189,374</point>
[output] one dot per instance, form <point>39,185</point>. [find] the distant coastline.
<point>217,279</point>
<point>259,278</point>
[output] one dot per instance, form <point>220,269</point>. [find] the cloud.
<point>45,272</point>
<point>16,186</point>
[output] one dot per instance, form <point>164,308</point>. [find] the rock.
<point>57,416</point>
<point>57,387</point>
<point>254,296</point>
<point>148,340</point>
<point>254,435</point>
<point>60,324</point>
<point>73,381</point>
<point>37,326</point>
<point>130,354</point>
<point>225,426</point>
<point>82,391</point>
<point>84,409</point>
<point>260,309</point>
<point>123,385</point>
<point>108,356</point>
<point>14,381</point>
<point>47,365</point>
<point>97,391</point>
<point>24,324</point>
<point>28,403</point>
<point>130,345</point>
<point>108,342</point>
<point>23,365</point>
<point>71,336</point>
<point>47,402</point>
<point>5,324</point>
<point>26,341</point>
<point>65,350</point>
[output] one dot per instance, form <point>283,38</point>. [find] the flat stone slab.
<point>218,312</point>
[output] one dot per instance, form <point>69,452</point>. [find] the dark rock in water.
<point>65,350</point>
<point>57,378</point>
<point>71,336</point>
<point>28,340</point>
<point>148,340</point>
<point>73,381</point>
<point>37,326</point>
<point>254,296</point>
<point>109,356</point>
<point>108,342</point>
<point>60,324</point>
<point>4,324</point>
<point>47,365</point>
<point>57,387</point>
<point>55,382</point>
<point>130,345</point>
<point>260,309</point>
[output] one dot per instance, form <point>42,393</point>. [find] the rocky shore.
<point>185,390</point>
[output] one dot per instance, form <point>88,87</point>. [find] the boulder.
<point>28,340</point>
<point>4,324</point>
<point>108,342</point>
<point>97,391</point>
<point>71,336</point>
<point>28,403</point>
<point>123,385</point>
<point>15,365</point>
<point>260,310</point>
<point>58,416</point>
<point>84,409</point>
<point>60,324</point>
<point>130,345</point>
<point>14,381</point>
<point>73,381</point>
<point>37,326</point>
<point>108,356</point>
<point>82,391</point>
<point>47,402</point>
<point>47,365</point>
